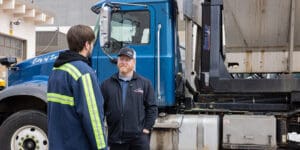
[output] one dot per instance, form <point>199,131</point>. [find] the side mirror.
<point>105,18</point>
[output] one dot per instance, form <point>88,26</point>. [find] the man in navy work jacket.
<point>75,103</point>
<point>129,105</point>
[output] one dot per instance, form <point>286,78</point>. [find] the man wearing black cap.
<point>129,105</point>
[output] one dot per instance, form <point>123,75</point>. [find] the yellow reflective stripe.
<point>62,99</point>
<point>73,71</point>
<point>93,111</point>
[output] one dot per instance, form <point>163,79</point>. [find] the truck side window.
<point>130,27</point>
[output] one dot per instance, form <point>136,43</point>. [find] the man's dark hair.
<point>78,35</point>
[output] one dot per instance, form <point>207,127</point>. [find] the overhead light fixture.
<point>17,22</point>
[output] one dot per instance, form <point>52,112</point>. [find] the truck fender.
<point>36,89</point>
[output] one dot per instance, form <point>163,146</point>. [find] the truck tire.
<point>26,130</point>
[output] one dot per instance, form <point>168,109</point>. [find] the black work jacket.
<point>139,111</point>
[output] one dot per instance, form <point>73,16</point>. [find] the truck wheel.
<point>24,130</point>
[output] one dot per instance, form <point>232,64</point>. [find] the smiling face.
<point>126,65</point>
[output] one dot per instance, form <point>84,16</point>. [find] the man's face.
<point>125,64</point>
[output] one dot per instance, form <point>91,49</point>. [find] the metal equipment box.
<point>249,132</point>
<point>186,132</point>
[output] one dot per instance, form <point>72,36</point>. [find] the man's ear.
<point>86,45</point>
<point>134,61</point>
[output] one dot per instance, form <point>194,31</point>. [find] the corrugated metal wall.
<point>257,35</point>
<point>69,12</point>
<point>48,41</point>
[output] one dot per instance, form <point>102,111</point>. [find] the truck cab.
<point>148,27</point>
<point>231,86</point>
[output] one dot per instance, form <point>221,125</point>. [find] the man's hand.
<point>146,131</point>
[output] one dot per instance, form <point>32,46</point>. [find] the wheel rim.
<point>29,138</point>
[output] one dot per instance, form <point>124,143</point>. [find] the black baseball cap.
<point>129,52</point>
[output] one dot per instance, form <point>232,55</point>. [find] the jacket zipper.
<point>122,111</point>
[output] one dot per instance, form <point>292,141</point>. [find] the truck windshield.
<point>130,27</point>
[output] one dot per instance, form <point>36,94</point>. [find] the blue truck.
<point>212,93</point>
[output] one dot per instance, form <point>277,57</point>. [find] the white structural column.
<point>292,37</point>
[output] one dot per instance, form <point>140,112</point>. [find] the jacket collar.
<point>69,56</point>
<point>134,77</point>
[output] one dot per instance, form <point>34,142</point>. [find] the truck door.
<point>131,26</point>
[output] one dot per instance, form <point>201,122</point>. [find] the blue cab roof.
<point>95,8</point>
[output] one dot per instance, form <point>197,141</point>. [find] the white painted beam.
<point>20,9</point>
<point>40,17</point>
<point>49,20</point>
<point>26,11</point>
<point>30,13</point>
<point>8,4</point>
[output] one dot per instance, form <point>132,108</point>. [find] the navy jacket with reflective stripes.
<point>75,108</point>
